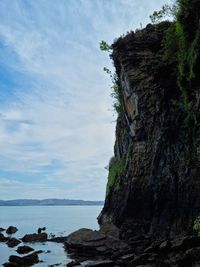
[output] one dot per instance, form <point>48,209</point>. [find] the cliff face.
<point>155,192</point>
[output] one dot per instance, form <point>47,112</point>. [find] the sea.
<point>58,220</point>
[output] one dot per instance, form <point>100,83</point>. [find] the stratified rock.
<point>128,257</point>
<point>110,229</point>
<point>26,260</point>
<point>35,237</point>
<point>155,193</point>
<point>13,242</point>
<point>145,258</point>
<point>24,249</point>
<point>106,263</point>
<point>91,242</point>
<point>11,230</point>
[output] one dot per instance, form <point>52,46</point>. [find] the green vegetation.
<point>166,11</point>
<point>196,226</point>
<point>181,48</point>
<point>116,167</point>
<point>116,94</point>
<point>104,46</point>
<point>115,87</point>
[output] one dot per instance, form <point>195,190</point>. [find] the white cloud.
<point>65,112</point>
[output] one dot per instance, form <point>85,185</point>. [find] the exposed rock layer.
<point>157,192</point>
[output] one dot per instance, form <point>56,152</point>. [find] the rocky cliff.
<point>154,177</point>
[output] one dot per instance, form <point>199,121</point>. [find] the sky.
<point>57,124</point>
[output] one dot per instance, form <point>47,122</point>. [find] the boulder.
<point>11,230</point>
<point>35,237</point>
<point>85,235</point>
<point>91,242</point>
<point>24,249</point>
<point>3,238</point>
<point>13,242</point>
<point>26,260</point>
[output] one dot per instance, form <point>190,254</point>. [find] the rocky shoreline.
<point>91,248</point>
<point>104,249</point>
<point>27,256</point>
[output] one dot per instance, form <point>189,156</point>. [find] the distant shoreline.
<point>49,202</point>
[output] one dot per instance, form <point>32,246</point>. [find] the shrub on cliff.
<point>115,87</point>
<point>116,167</point>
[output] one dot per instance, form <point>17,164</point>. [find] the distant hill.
<point>50,202</point>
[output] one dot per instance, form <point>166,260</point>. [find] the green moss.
<point>116,94</point>
<point>170,45</point>
<point>196,226</point>
<point>181,47</point>
<point>116,167</point>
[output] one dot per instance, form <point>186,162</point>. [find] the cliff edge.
<point>152,196</point>
<point>154,176</point>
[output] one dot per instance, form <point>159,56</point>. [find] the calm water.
<point>59,220</point>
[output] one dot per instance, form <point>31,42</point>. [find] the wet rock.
<point>2,229</point>
<point>13,242</point>
<point>3,238</point>
<point>106,263</point>
<point>35,237</point>
<point>24,249</point>
<point>11,230</point>
<point>11,264</point>
<point>24,261</point>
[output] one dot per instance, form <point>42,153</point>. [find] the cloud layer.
<point>56,118</point>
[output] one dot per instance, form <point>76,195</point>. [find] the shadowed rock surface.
<point>11,230</point>
<point>157,192</point>
<point>153,187</point>
<point>3,238</point>
<point>24,249</point>
<point>13,242</point>
<point>35,237</point>
<point>87,241</point>
<point>28,260</point>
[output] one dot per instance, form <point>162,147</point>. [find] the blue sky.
<point>56,120</point>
